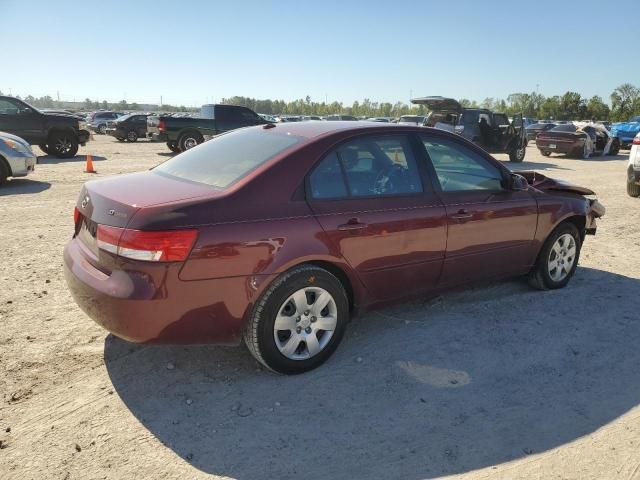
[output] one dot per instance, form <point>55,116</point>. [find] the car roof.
<point>315,129</point>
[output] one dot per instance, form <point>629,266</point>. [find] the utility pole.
<point>161,100</point>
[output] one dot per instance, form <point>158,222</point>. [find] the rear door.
<point>370,197</point>
<point>490,228</point>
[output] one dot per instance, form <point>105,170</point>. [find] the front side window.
<point>369,167</point>
<point>460,169</point>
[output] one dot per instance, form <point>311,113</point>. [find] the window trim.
<point>504,171</point>
<point>425,182</point>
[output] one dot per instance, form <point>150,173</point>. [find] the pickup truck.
<point>56,134</point>
<point>183,133</point>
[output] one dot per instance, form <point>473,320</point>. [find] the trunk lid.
<point>439,104</point>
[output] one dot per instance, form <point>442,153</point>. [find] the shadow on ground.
<point>21,186</point>
<point>419,390</point>
<point>50,159</point>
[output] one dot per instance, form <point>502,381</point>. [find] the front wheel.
<point>102,129</point>
<point>63,145</point>
<point>558,259</point>
<point>517,155</point>
<point>132,136</point>
<point>298,321</point>
<point>633,189</point>
<point>615,148</point>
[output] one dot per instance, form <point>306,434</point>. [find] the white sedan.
<point>16,157</point>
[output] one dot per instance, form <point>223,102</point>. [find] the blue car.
<point>626,131</point>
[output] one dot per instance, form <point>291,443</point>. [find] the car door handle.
<point>462,214</point>
<point>352,224</point>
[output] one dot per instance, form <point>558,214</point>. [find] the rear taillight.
<point>162,125</point>
<point>459,129</point>
<point>76,215</point>
<point>636,140</point>
<point>171,246</point>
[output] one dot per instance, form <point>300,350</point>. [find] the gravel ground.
<point>495,382</point>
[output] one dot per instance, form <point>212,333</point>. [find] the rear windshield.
<point>224,160</point>
<point>565,127</point>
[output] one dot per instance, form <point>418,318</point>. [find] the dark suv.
<point>56,134</point>
<point>490,130</point>
<point>128,127</point>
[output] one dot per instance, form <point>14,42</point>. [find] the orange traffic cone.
<point>89,167</point>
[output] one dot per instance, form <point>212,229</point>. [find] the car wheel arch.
<point>4,163</point>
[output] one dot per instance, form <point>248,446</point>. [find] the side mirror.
<point>518,183</point>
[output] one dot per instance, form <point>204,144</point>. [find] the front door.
<point>381,217</point>
<point>490,228</point>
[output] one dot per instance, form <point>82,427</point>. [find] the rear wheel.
<point>189,140</point>
<point>615,147</point>
<point>558,259</point>
<point>173,146</point>
<point>545,153</point>
<point>63,145</point>
<point>633,189</point>
<point>132,136</point>
<point>298,321</point>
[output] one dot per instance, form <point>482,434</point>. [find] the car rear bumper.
<point>558,146</point>
<point>151,304</point>
<point>158,137</point>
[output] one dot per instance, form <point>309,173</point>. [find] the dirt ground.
<point>500,382</point>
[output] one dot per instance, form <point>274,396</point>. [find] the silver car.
<point>16,157</point>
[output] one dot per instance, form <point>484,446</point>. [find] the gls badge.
<point>85,201</point>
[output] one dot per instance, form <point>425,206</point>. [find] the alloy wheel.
<point>63,145</point>
<point>189,143</point>
<point>562,257</point>
<point>305,323</point>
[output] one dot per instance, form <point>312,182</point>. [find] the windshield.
<point>228,158</point>
<point>567,127</point>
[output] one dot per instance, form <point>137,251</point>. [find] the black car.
<point>55,134</point>
<point>490,130</point>
<point>534,129</point>
<point>128,127</point>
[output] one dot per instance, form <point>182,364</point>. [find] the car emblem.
<point>85,201</point>
<point>111,212</point>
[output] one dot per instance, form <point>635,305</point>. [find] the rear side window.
<point>460,169</point>
<point>369,167</point>
<point>226,159</point>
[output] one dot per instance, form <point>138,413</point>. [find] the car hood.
<point>544,183</point>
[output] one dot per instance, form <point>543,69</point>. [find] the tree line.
<point>624,103</point>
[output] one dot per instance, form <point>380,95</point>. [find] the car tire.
<point>173,146</point>
<point>189,140</point>
<point>132,136</point>
<point>545,153</point>
<point>633,189</point>
<point>557,250</point>
<point>102,129</point>
<point>615,148</point>
<point>585,154</point>
<point>517,155</point>
<point>63,145</point>
<point>286,350</point>
<point>4,172</point>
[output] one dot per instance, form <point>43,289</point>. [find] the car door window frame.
<point>420,164</point>
<point>433,174</point>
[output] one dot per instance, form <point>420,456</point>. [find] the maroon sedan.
<point>278,234</point>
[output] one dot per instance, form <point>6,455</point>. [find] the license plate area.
<point>552,145</point>
<point>88,235</point>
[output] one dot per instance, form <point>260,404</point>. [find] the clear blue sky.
<point>194,52</point>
